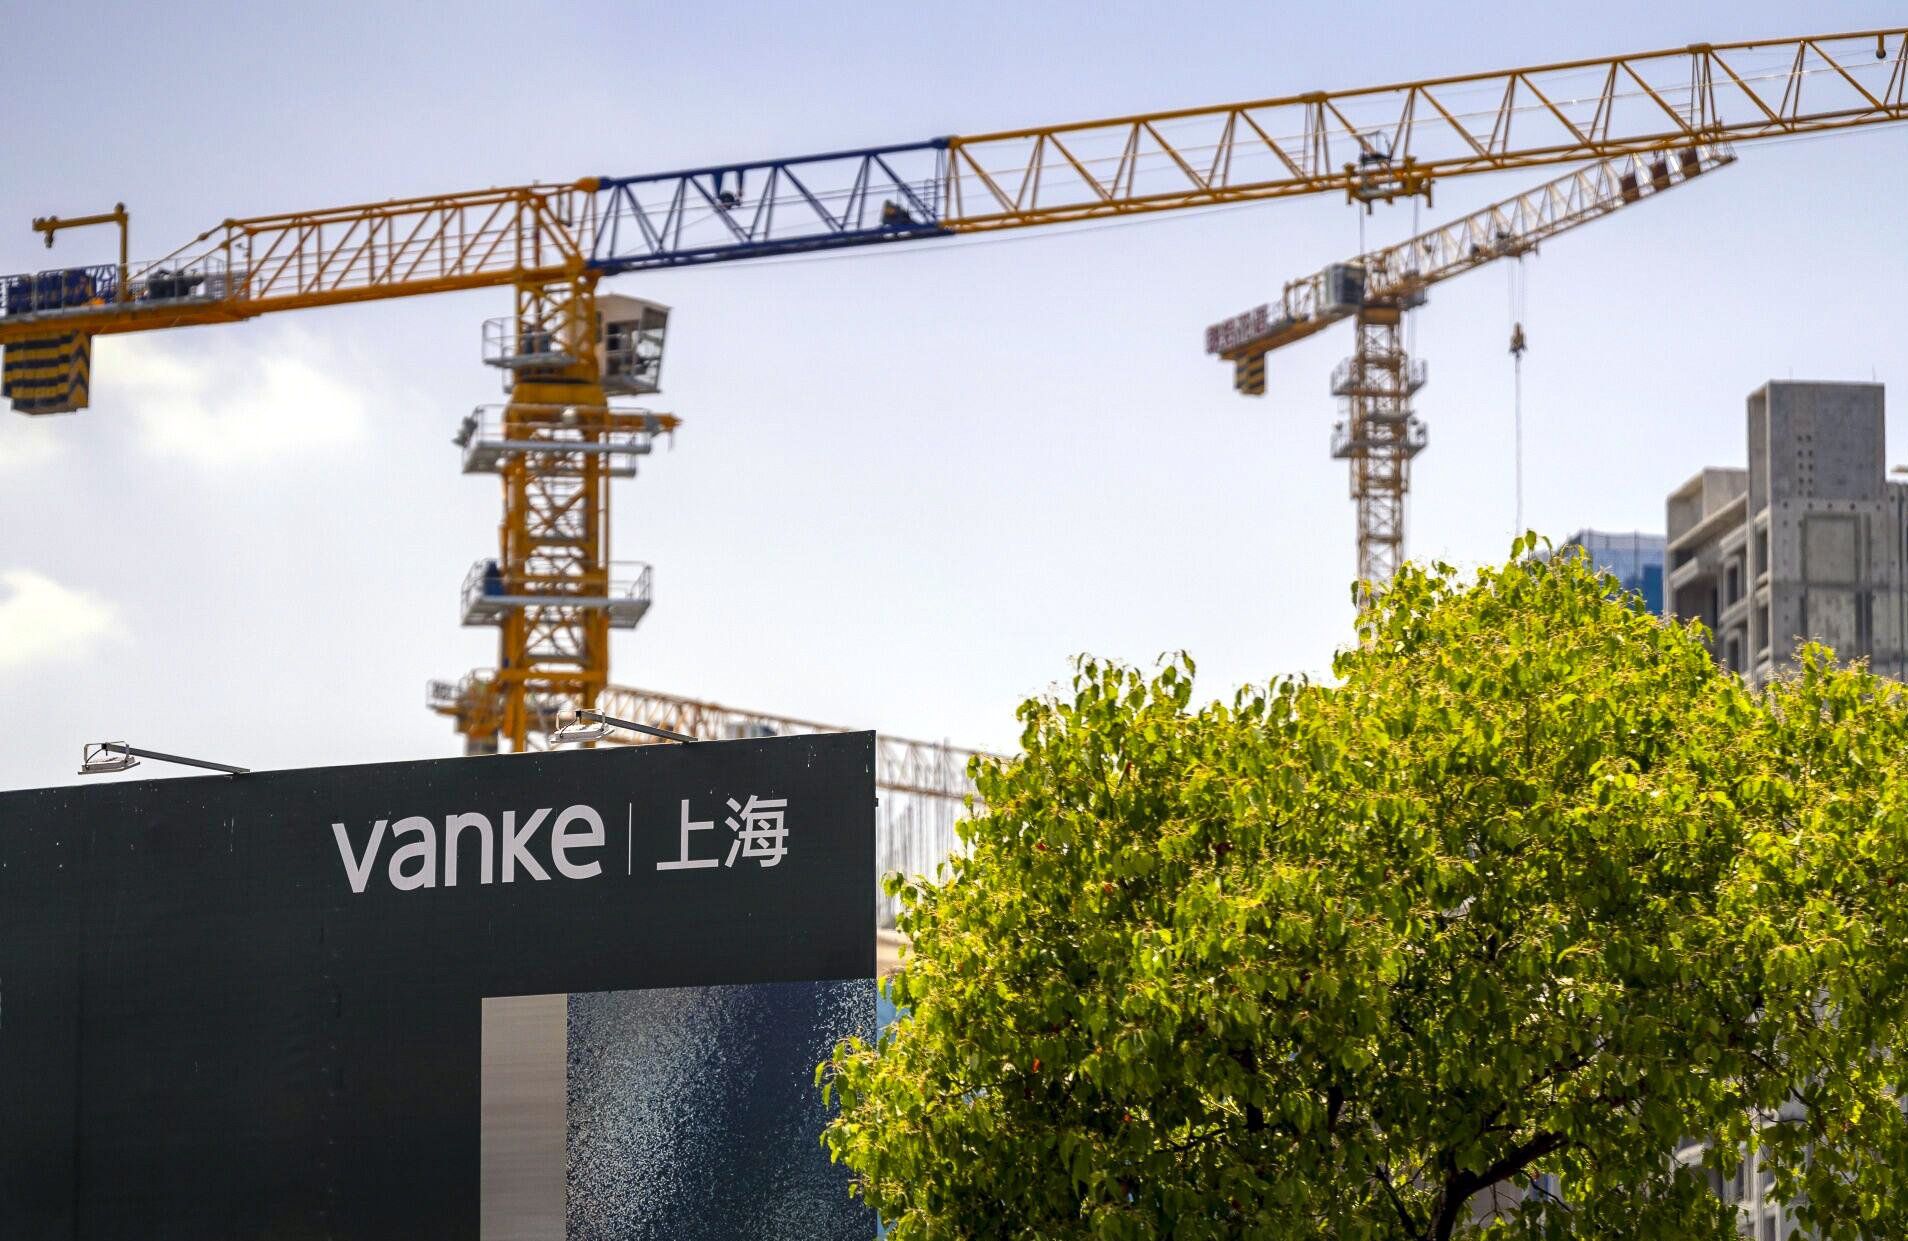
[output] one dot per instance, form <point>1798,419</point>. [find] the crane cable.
<point>1517,347</point>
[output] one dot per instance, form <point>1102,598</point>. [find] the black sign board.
<point>436,999</point>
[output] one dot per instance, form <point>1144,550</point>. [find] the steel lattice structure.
<point>924,785</point>
<point>1380,435</point>
<point>554,241</point>
<point>1369,143</point>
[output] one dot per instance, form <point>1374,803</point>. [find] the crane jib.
<point>1370,143</point>
<point>814,202</point>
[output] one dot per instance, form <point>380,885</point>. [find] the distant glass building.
<point>1636,560</point>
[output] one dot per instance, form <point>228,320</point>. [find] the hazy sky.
<point>910,483</point>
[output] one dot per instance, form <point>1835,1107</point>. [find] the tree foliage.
<point>1532,888</point>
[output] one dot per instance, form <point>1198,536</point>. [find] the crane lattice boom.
<point>1506,229</point>
<point>553,591</point>
<point>1380,434</point>
<point>1369,143</point>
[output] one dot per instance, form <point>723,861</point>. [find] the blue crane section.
<point>770,207</point>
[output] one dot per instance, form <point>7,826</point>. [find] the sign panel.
<point>576,995</point>
<point>1231,333</point>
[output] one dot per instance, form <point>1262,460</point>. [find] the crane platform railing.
<point>492,591</point>
<point>557,437</point>
<point>1363,439</point>
<point>1396,375</point>
<point>68,291</point>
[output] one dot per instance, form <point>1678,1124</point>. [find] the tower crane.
<point>554,242</point>
<point>1380,435</point>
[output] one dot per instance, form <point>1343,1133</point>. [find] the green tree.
<point>1532,888</point>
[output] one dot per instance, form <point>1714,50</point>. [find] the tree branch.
<point>1459,1186</point>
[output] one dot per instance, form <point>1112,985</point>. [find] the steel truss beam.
<point>1378,437</point>
<point>923,768</point>
<point>1382,142</point>
<point>1511,228</point>
<point>1370,143</point>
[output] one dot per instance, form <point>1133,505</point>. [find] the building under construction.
<point>1808,544</point>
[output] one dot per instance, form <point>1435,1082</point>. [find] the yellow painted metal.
<point>50,225</point>
<point>1379,434</point>
<point>49,375</point>
<point>554,543</point>
<point>1382,142</point>
<point>1372,144</point>
<point>1248,374</point>
<point>1510,228</point>
<point>365,252</point>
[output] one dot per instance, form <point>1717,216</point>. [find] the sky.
<point>911,483</point>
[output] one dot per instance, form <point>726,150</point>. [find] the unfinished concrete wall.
<point>1810,543</point>
<point>1825,539</point>
<point>1704,577</point>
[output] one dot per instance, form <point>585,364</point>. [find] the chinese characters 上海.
<point>760,834</point>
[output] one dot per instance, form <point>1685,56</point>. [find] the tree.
<point>1533,888</point>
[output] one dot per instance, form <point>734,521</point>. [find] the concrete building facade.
<point>1810,543</point>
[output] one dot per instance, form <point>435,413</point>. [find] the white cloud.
<point>42,621</point>
<point>219,404</point>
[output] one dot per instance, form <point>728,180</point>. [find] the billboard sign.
<point>574,995</point>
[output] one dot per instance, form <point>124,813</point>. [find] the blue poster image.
<point>680,1113</point>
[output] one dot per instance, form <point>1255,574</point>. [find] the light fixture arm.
<point>92,753</point>
<point>632,726</point>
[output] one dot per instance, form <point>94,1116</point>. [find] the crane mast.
<point>550,591</point>
<point>1380,434</point>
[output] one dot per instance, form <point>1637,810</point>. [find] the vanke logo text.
<point>422,857</point>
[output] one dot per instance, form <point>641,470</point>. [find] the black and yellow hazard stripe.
<point>49,375</point>
<point>1248,374</point>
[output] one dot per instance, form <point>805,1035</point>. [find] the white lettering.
<point>358,869</point>
<point>416,844</point>
<point>514,841</point>
<point>562,840</point>
<point>685,862</point>
<point>424,851</point>
<point>454,826</point>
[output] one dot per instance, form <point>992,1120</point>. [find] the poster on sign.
<point>572,996</point>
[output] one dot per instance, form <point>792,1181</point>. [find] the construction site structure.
<point>1371,144</point>
<point>1380,434</point>
<point>923,786</point>
<point>555,593</point>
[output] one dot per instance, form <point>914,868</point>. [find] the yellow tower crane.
<point>554,594</point>
<point>553,591</point>
<point>1380,434</point>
